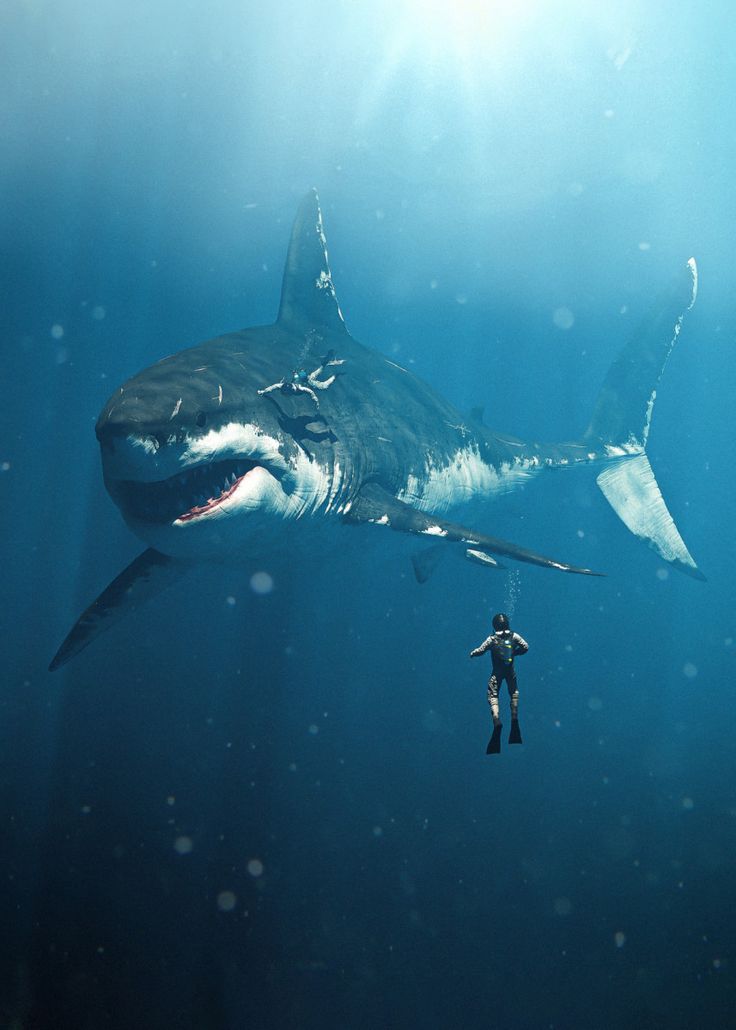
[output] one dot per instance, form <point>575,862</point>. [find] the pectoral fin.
<point>376,505</point>
<point>144,578</point>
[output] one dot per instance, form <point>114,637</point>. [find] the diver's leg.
<point>493,698</point>
<point>515,732</point>
<point>513,693</point>
<point>494,744</point>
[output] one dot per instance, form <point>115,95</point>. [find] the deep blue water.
<point>278,812</point>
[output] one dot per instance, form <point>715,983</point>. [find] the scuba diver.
<point>504,646</point>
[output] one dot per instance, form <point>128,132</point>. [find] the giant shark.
<point>294,432</point>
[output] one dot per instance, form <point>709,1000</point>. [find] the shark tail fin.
<point>621,419</point>
<point>630,488</point>
<point>308,295</point>
<point>624,408</point>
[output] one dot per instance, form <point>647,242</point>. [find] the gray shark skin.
<point>280,433</point>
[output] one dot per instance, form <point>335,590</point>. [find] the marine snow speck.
<point>216,452</point>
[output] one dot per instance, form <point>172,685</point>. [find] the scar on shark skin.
<point>306,382</point>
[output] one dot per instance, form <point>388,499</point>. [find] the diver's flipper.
<point>515,732</point>
<point>377,506</point>
<point>494,744</point>
<point>148,575</point>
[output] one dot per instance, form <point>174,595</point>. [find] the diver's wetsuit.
<point>504,646</point>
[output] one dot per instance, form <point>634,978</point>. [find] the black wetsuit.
<point>503,647</point>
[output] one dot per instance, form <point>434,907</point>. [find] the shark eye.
<point>201,419</point>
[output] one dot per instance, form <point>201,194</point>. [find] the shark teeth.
<point>182,497</point>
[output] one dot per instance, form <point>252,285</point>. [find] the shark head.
<point>203,451</point>
<point>194,456</point>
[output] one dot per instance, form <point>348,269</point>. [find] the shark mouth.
<point>184,497</point>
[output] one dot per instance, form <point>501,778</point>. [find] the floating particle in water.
<point>644,245</point>
<point>377,831</point>
<point>183,845</point>
<point>170,800</point>
<point>461,298</point>
<point>98,313</point>
<point>581,533</point>
<point>226,901</point>
<point>688,804</point>
<point>663,574</point>
<point>314,729</point>
<point>431,721</point>
<point>5,467</point>
<point>57,331</point>
<point>433,284</point>
<point>690,670</point>
<point>230,601</point>
<point>619,939</point>
<point>562,906</point>
<point>563,318</point>
<point>728,642</point>
<point>261,583</point>
<point>255,867</point>
<point>595,704</point>
<point>609,113</point>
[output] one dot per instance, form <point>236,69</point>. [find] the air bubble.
<point>562,906</point>
<point>261,583</point>
<point>226,901</point>
<point>563,318</point>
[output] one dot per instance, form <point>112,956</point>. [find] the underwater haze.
<point>263,799</point>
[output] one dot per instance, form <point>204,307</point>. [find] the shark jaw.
<point>214,490</point>
<point>193,494</point>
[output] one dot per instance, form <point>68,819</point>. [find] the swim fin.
<point>515,732</point>
<point>494,744</point>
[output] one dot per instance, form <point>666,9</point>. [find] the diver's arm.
<point>520,645</point>
<point>482,649</point>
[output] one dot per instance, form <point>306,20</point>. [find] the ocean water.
<point>267,804</point>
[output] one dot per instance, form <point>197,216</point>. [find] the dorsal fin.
<point>308,297</point>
